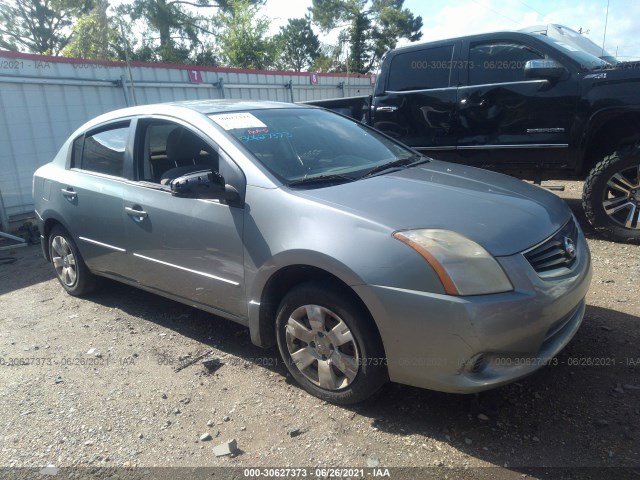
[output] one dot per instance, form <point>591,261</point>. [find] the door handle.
<point>386,109</point>
<point>137,215</point>
<point>69,193</point>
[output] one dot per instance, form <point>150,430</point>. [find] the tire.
<point>71,271</point>
<point>344,369</point>
<point>611,195</point>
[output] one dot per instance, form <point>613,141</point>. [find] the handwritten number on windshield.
<point>265,136</point>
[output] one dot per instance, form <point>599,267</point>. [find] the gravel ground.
<point>111,385</point>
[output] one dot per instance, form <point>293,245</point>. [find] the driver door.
<point>187,248</point>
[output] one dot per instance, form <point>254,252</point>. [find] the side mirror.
<point>547,69</point>
<point>204,184</point>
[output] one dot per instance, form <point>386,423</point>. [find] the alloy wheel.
<point>64,261</point>
<point>622,197</point>
<point>322,347</point>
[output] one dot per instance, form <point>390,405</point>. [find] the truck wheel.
<point>71,271</point>
<point>329,345</point>
<point>611,195</point>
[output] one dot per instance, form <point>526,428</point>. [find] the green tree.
<point>95,36</point>
<point>330,58</point>
<point>322,64</point>
<point>176,29</point>
<point>373,26</point>
<point>242,41</point>
<point>39,26</point>
<point>299,44</point>
<point>170,29</point>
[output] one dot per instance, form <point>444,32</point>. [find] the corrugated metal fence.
<point>44,99</point>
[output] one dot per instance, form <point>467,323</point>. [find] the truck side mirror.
<point>547,69</point>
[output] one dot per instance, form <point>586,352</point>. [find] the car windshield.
<point>308,145</point>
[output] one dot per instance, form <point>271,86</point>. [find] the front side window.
<point>499,62</point>
<point>168,150</point>
<point>298,144</point>
<point>102,151</point>
<point>421,69</point>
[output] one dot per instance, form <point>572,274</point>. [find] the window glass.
<point>499,62</point>
<point>103,152</point>
<point>76,156</point>
<point>587,61</point>
<point>171,150</point>
<point>296,143</point>
<point>421,69</point>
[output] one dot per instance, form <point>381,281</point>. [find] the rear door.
<point>419,97</point>
<point>187,248</point>
<point>504,118</point>
<point>100,167</point>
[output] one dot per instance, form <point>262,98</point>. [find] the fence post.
<point>289,85</point>
<point>4,218</point>
<point>220,85</point>
<point>123,83</point>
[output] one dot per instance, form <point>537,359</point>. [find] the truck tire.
<point>611,195</point>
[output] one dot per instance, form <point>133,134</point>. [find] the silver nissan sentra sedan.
<point>361,259</point>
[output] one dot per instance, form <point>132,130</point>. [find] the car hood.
<point>501,213</point>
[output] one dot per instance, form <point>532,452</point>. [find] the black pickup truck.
<point>522,104</point>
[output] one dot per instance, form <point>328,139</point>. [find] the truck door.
<point>416,103</point>
<point>504,119</point>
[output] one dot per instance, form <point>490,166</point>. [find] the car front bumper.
<point>469,344</point>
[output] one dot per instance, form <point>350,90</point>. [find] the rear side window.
<point>499,62</point>
<point>421,69</point>
<point>102,151</point>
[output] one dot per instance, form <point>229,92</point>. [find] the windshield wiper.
<point>396,165</point>
<point>333,178</point>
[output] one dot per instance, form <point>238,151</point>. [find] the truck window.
<point>421,69</point>
<point>499,62</point>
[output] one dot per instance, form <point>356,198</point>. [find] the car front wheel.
<point>611,196</point>
<point>71,271</point>
<point>330,345</point>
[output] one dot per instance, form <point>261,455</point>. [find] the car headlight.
<point>463,266</point>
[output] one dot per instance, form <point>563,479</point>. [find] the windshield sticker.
<point>258,130</point>
<point>265,136</point>
<point>233,121</point>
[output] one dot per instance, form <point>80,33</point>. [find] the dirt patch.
<point>101,388</point>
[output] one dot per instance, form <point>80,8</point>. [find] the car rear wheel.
<point>330,345</point>
<point>71,271</point>
<point>611,195</point>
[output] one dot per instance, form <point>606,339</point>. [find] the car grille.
<point>557,254</point>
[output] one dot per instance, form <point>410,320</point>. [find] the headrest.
<point>183,146</point>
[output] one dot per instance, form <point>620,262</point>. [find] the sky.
<point>452,18</point>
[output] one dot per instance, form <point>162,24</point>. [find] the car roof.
<point>230,105</point>
<point>202,107</point>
